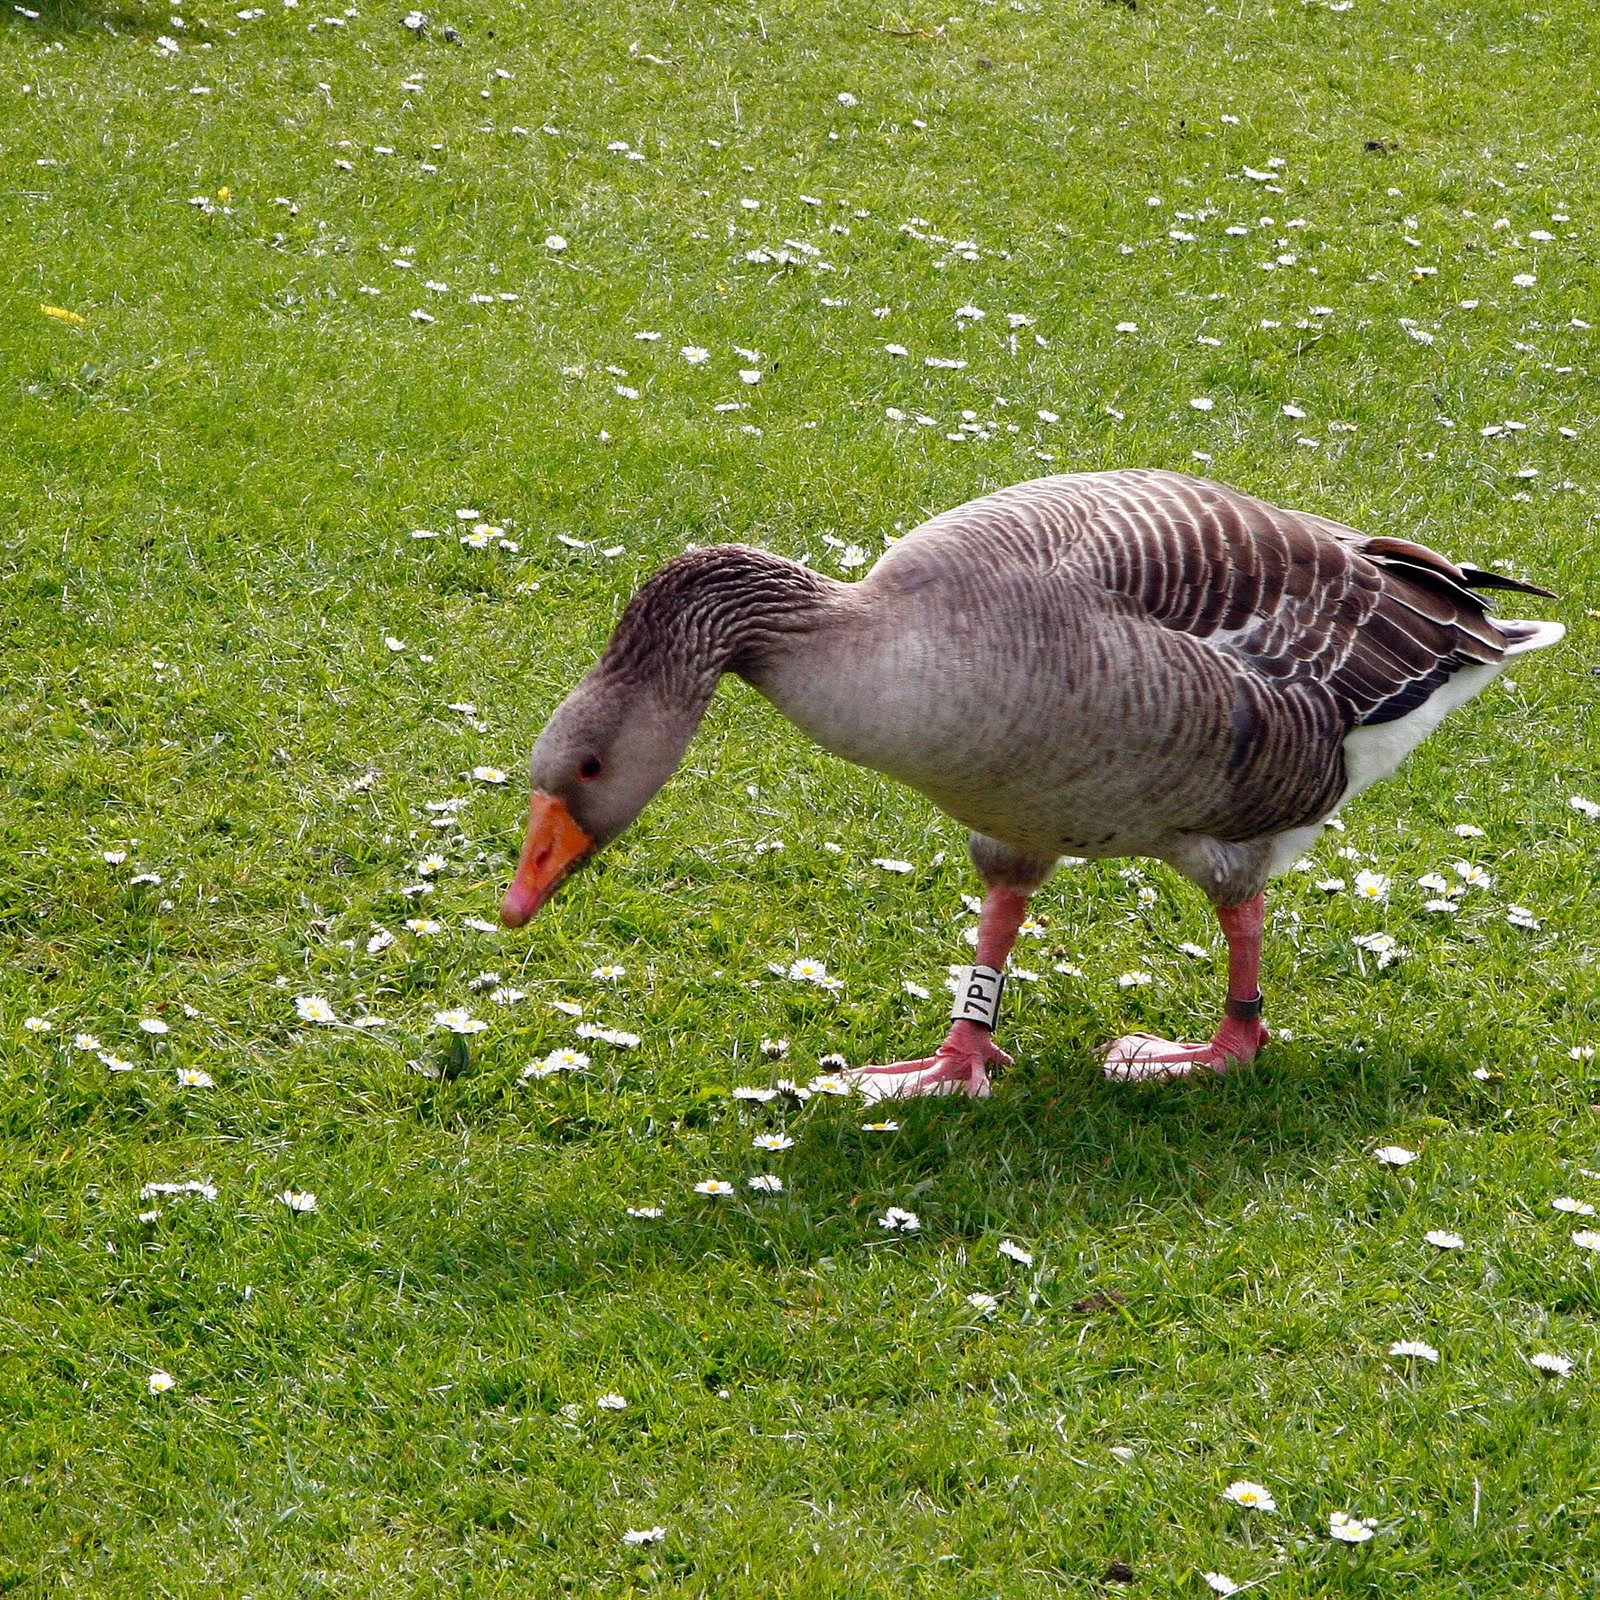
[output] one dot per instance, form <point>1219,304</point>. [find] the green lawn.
<point>213,455</point>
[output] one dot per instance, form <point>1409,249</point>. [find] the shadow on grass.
<point>1057,1152</point>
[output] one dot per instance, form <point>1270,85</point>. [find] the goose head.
<point>607,749</point>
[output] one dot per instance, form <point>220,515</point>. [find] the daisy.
<point>114,1063</point>
<point>646,1213</point>
<point>716,1186</point>
<point>554,242</point>
<point>429,865</point>
<point>1201,403</point>
<point>301,1200</point>
<point>1016,1253</point>
<point>478,925</point>
<point>610,1402</point>
<point>313,1008</point>
<point>1586,1239</point>
<point>609,973</point>
<point>153,1025</point>
<point>695,355</point>
<point>1467,830</point>
<point>37,1024</point>
<point>775,1049</point>
<point>565,1059</point>
<point>895,1220</point>
<point>488,775</point>
<point>889,864</point>
<point>915,990</point>
<point>1550,1365</point>
<point>1372,886</point>
<point>1414,1350</point>
<point>113,858</point>
<point>1441,1240</point>
<point>829,1083</point>
<point>425,926</point>
<point>1576,1208</point>
<point>1587,808</point>
<point>766,1183</point>
<point>746,1091</point>
<point>194,1078</point>
<point>85,1041</point>
<point>1347,1529</point>
<point>1220,1583</point>
<point>161,1382</point>
<point>458,1020</point>
<point>616,1036</point>
<point>1471,874</point>
<point>772,1141</point>
<point>1135,979</point>
<point>894,1127</point>
<point>644,1535</point>
<point>1244,1493</point>
<point>806,970</point>
<point>983,1302</point>
<point>379,942</point>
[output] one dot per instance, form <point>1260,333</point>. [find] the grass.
<point>209,477</point>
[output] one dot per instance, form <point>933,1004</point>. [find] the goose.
<point>1101,664</point>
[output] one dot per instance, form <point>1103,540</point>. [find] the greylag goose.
<point>1132,663</point>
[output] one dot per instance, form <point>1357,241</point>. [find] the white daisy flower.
<point>609,973</point>
<point>889,864</point>
<point>160,1382</point>
<point>425,926</point>
<point>312,1008</point>
<point>113,858</point>
<point>114,1063</point>
<point>1414,1350</point>
<point>983,1302</point>
<point>807,970</point>
<point>828,1083</point>
<point>491,775</point>
<point>300,1200</point>
<point>760,1096</point>
<point>1372,886</point>
<point>766,1183</point>
<point>1347,1529</point>
<point>37,1024</point>
<point>1394,1155</point>
<point>696,355</point>
<point>1009,1248</point>
<point>1587,1239</point>
<point>1471,874</point>
<point>1135,979</point>
<point>153,1025</point>
<point>458,1020</point>
<point>379,942</point>
<point>646,1213</point>
<point>775,1049</point>
<point>716,1186</point>
<point>772,1141</point>
<point>1587,808</point>
<point>894,1127</point>
<point>554,242</point>
<point>1467,830</point>
<point>1220,1583</point>
<point>1551,1365</point>
<point>1576,1208</point>
<point>85,1041</point>
<point>1202,403</point>
<point>896,1220</point>
<point>1253,1495</point>
<point>644,1535</point>
<point>1442,1240</point>
<point>565,1059</point>
<point>194,1078</point>
<point>915,990</point>
<point>613,1036</point>
<point>610,1402</point>
<point>429,865</point>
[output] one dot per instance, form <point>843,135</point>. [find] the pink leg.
<point>960,1064</point>
<point>1142,1058</point>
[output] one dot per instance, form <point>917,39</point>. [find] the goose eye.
<point>590,768</point>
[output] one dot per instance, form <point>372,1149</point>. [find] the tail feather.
<point>1521,637</point>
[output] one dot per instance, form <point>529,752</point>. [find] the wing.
<point>1380,623</point>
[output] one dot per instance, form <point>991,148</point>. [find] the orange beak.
<point>553,843</point>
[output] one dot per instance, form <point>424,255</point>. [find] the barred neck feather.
<point>721,609</point>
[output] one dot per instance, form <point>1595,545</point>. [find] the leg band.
<point>1244,1010</point>
<point>977,995</point>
